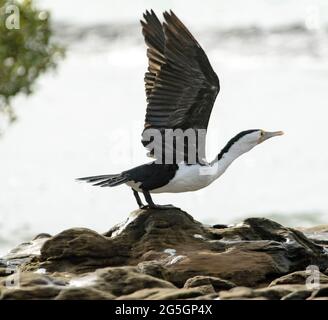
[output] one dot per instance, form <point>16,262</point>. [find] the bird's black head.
<point>246,140</point>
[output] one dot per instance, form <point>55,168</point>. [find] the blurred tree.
<point>26,50</point>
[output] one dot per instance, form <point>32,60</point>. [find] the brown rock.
<point>164,294</point>
<point>157,251</point>
<point>237,293</point>
<point>218,284</point>
<point>318,234</point>
<point>79,250</point>
<point>297,277</point>
<point>211,296</point>
<point>153,268</point>
<point>4,272</point>
<point>297,295</point>
<point>30,293</point>
<point>271,293</point>
<point>322,292</point>
<point>178,245</point>
<point>245,267</point>
<point>125,280</point>
<point>83,293</point>
<point>29,279</point>
<point>279,291</point>
<point>79,242</point>
<point>28,285</point>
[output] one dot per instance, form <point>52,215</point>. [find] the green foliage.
<point>25,52</point>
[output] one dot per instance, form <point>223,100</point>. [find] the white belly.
<point>190,178</point>
<point>187,178</point>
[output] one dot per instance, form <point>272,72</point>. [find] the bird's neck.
<point>225,158</point>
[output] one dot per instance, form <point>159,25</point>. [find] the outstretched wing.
<point>181,85</point>
<point>155,39</point>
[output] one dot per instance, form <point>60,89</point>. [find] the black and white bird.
<point>181,88</point>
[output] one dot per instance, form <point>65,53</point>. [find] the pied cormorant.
<point>181,88</point>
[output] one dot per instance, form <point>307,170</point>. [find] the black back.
<point>152,175</point>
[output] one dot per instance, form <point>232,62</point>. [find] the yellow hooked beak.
<point>267,135</point>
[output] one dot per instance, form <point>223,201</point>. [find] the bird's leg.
<point>149,199</point>
<point>136,195</point>
<point>152,205</point>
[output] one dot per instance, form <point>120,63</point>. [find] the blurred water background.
<point>87,117</point>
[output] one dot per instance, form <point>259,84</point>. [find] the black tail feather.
<point>109,180</point>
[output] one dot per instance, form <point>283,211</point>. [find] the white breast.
<point>187,178</point>
<point>195,177</point>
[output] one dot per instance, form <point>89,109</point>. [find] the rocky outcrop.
<point>166,254</point>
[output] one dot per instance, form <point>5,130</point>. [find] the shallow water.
<point>87,118</point>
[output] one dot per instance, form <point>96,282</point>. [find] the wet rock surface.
<point>166,254</point>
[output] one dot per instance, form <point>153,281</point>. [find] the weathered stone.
<point>164,294</point>
<point>298,277</point>
<point>125,280</point>
<point>156,252</point>
<point>4,271</point>
<point>297,295</point>
<point>322,292</point>
<point>28,279</point>
<point>25,253</point>
<point>78,250</point>
<point>27,249</point>
<point>210,296</point>
<point>29,293</point>
<point>237,293</point>
<point>83,293</point>
<point>279,291</point>
<point>28,285</point>
<point>153,268</point>
<point>272,293</point>
<point>178,246</point>
<point>218,284</point>
<point>76,243</point>
<point>318,234</point>
<point>245,267</point>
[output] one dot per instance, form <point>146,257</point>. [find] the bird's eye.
<point>262,133</point>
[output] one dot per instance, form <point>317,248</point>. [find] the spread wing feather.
<point>181,86</point>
